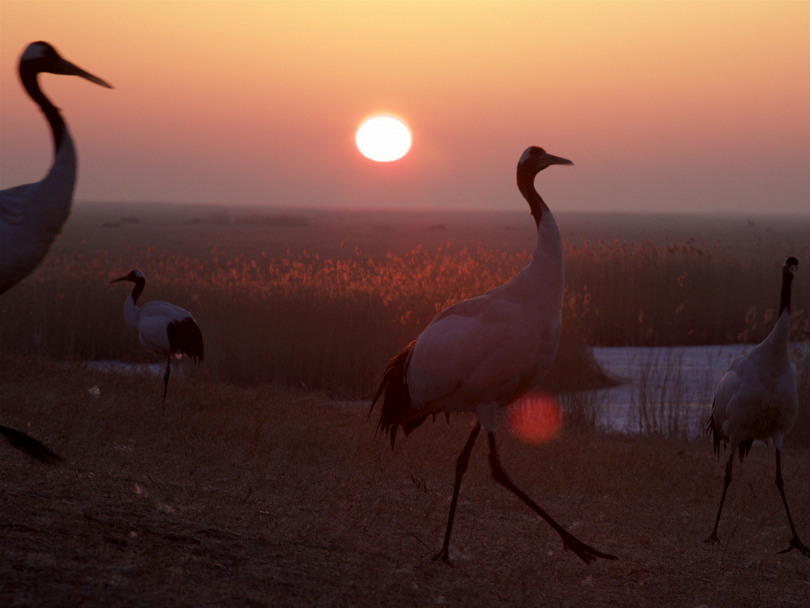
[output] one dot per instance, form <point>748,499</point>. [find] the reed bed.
<point>331,323</point>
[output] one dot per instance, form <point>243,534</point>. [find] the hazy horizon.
<point>663,107</point>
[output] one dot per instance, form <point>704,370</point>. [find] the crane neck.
<point>131,311</point>
<point>58,127</point>
<point>525,183</point>
<point>777,340</point>
<point>140,283</point>
<point>784,300</point>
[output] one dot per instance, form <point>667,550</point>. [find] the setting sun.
<point>383,138</point>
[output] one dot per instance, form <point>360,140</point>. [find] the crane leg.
<point>726,481</point>
<point>795,542</point>
<point>461,468</point>
<point>586,553</point>
<point>166,379</point>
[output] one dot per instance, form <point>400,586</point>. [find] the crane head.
<point>536,159</point>
<point>791,265</point>
<point>135,276</point>
<point>42,57</point>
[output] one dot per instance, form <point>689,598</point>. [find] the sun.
<point>383,138</point>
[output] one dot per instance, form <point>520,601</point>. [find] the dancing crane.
<point>757,399</point>
<point>484,353</point>
<point>162,327</point>
<point>31,215</point>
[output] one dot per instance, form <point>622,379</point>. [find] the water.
<point>661,384</point>
<point>667,389</point>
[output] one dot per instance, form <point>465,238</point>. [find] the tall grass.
<point>332,322</point>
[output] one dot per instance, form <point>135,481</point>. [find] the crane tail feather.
<point>744,447</point>
<point>27,444</point>
<point>714,433</point>
<point>397,407</point>
<point>185,337</point>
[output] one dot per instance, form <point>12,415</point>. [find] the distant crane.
<point>484,353</point>
<point>31,215</point>
<point>162,327</point>
<point>757,399</point>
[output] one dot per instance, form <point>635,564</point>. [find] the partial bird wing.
<point>754,403</point>
<point>735,393</point>
<point>20,250</point>
<point>474,352</point>
<point>13,205</point>
<point>152,322</point>
<point>29,445</point>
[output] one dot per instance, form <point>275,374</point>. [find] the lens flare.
<point>535,418</point>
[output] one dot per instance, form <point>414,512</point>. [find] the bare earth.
<point>254,497</point>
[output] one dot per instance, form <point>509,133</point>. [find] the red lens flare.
<point>535,418</point>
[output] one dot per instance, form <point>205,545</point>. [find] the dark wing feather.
<point>185,337</point>
<point>397,407</point>
<point>29,445</point>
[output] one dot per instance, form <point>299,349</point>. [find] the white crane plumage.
<point>31,215</point>
<point>162,327</point>
<point>484,353</point>
<point>756,399</point>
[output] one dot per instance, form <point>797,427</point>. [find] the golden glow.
<point>231,101</point>
<point>383,138</point>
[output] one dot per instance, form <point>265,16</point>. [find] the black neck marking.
<point>140,282</point>
<point>28,76</point>
<point>525,183</point>
<point>787,281</point>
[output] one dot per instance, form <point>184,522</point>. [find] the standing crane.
<point>757,399</point>
<point>162,327</point>
<point>484,353</point>
<point>32,215</point>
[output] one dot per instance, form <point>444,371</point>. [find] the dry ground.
<point>254,497</point>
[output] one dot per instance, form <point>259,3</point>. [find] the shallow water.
<point>665,387</point>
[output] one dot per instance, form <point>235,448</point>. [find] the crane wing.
<point>13,204</point>
<point>153,320</point>
<point>485,350</point>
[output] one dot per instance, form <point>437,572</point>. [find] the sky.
<point>662,106</point>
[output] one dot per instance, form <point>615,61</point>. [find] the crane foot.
<point>585,552</point>
<point>796,543</point>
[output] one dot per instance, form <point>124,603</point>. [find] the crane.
<point>162,327</point>
<point>756,399</point>
<point>31,215</point>
<point>484,353</point>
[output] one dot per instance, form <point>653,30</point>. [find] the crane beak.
<point>557,160</point>
<point>65,67</point>
<point>123,278</point>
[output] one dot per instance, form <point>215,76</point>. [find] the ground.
<point>258,497</point>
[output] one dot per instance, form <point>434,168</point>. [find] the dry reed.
<point>331,323</point>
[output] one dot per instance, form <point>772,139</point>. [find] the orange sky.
<point>677,106</point>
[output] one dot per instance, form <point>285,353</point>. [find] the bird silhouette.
<point>757,399</point>
<point>162,327</point>
<point>484,353</point>
<point>32,215</point>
